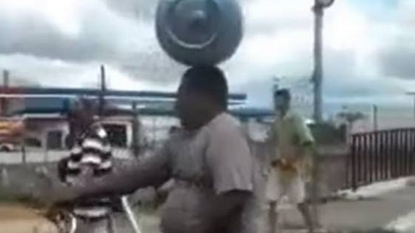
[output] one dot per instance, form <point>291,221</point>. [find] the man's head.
<point>202,94</point>
<point>81,114</point>
<point>282,99</point>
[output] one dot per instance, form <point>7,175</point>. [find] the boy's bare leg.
<point>306,213</point>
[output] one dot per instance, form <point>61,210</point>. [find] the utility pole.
<point>135,131</point>
<point>103,89</point>
<point>318,9</point>
<point>318,66</point>
<point>3,100</point>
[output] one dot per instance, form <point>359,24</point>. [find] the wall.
<point>39,128</point>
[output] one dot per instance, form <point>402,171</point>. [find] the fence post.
<point>372,160</point>
<point>408,144</point>
<point>390,154</point>
<point>383,155</point>
<point>412,152</point>
<point>404,152</point>
<point>377,156</point>
<point>365,157</point>
<point>353,162</point>
<point>396,154</point>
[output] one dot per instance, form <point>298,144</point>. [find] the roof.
<point>46,101</point>
<point>242,113</point>
<point>38,92</point>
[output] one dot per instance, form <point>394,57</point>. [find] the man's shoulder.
<point>226,119</point>
<point>292,114</point>
<point>224,123</point>
<point>293,117</point>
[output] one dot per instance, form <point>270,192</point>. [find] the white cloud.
<point>48,72</point>
<point>278,41</point>
<point>64,14</point>
<point>346,28</point>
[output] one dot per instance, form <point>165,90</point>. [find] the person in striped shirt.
<point>90,157</point>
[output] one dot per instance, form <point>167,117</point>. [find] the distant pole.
<point>154,131</point>
<point>275,84</point>
<point>4,107</point>
<point>275,87</point>
<point>45,146</point>
<point>135,132</point>
<point>375,117</point>
<point>23,150</point>
<point>102,92</point>
<point>414,108</point>
<point>413,98</point>
<point>6,76</point>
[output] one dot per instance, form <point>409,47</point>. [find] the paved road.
<point>365,214</point>
<point>342,215</point>
<point>368,214</point>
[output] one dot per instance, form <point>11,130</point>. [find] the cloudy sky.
<point>369,47</point>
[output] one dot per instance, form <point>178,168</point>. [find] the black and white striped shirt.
<point>90,157</point>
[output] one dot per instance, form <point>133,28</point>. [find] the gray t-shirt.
<point>214,160</point>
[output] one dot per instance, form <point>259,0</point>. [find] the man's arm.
<point>152,171</point>
<point>271,145</point>
<point>231,167</point>
<point>306,142</point>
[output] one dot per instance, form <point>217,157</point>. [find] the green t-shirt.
<point>291,135</point>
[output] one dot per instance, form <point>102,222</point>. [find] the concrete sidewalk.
<point>367,214</point>
<point>339,216</point>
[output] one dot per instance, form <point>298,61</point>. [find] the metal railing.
<point>380,155</point>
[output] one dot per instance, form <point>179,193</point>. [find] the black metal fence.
<point>380,155</point>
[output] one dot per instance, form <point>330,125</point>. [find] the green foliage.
<point>351,117</point>
<point>327,134</point>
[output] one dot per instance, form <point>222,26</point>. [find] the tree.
<point>350,117</point>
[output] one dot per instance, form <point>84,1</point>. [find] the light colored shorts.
<point>291,186</point>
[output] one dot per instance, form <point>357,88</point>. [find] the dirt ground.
<point>15,218</point>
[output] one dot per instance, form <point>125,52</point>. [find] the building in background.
<point>44,113</point>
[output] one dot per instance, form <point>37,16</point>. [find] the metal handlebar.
<point>130,214</point>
